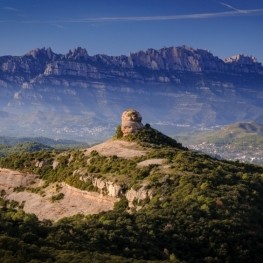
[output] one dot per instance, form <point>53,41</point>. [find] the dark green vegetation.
<point>11,145</point>
<point>25,239</point>
<point>22,147</point>
<point>202,210</point>
<point>149,137</point>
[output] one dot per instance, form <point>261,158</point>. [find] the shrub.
<point>57,197</point>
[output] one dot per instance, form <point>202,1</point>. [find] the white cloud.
<point>251,12</point>
<point>234,13</point>
<point>233,8</point>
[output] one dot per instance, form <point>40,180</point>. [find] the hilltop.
<point>239,141</point>
<point>168,203</point>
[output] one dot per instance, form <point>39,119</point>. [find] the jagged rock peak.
<point>241,59</point>
<point>77,53</point>
<point>177,58</point>
<point>131,122</point>
<point>41,53</point>
<point>176,51</point>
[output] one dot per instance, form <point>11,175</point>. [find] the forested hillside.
<point>201,209</point>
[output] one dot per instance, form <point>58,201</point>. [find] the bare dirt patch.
<point>119,148</point>
<point>74,201</point>
<point>9,178</point>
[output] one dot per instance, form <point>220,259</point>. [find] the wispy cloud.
<point>251,12</point>
<point>234,13</point>
<point>12,9</point>
<point>59,26</point>
<point>233,8</point>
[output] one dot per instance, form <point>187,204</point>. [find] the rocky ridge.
<point>79,96</point>
<point>39,64</point>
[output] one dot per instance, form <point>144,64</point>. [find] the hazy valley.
<point>80,97</point>
<point>240,141</point>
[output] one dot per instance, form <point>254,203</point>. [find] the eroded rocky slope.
<point>53,201</point>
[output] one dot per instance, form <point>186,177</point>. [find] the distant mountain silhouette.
<point>78,96</point>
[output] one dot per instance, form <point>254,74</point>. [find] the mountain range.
<point>79,96</point>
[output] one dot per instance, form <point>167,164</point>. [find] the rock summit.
<point>131,122</point>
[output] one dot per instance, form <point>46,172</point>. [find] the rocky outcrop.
<point>138,195</point>
<point>131,122</point>
<point>103,186</point>
<point>242,60</point>
<point>109,188</point>
<point>243,63</point>
<point>55,164</point>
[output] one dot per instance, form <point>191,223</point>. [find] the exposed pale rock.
<point>114,190</point>
<point>111,189</point>
<point>138,195</point>
<point>39,164</point>
<point>157,161</point>
<point>12,179</point>
<point>242,59</point>
<point>104,186</point>
<point>55,164</point>
<point>131,122</point>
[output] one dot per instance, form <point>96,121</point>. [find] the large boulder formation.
<point>131,122</point>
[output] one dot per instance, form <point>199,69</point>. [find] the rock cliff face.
<point>111,189</point>
<point>131,122</point>
<point>78,96</point>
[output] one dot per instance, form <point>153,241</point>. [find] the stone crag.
<point>131,122</point>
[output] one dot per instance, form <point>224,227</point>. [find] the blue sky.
<point>116,27</point>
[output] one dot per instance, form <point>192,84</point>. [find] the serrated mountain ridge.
<point>77,94</point>
<point>44,62</point>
